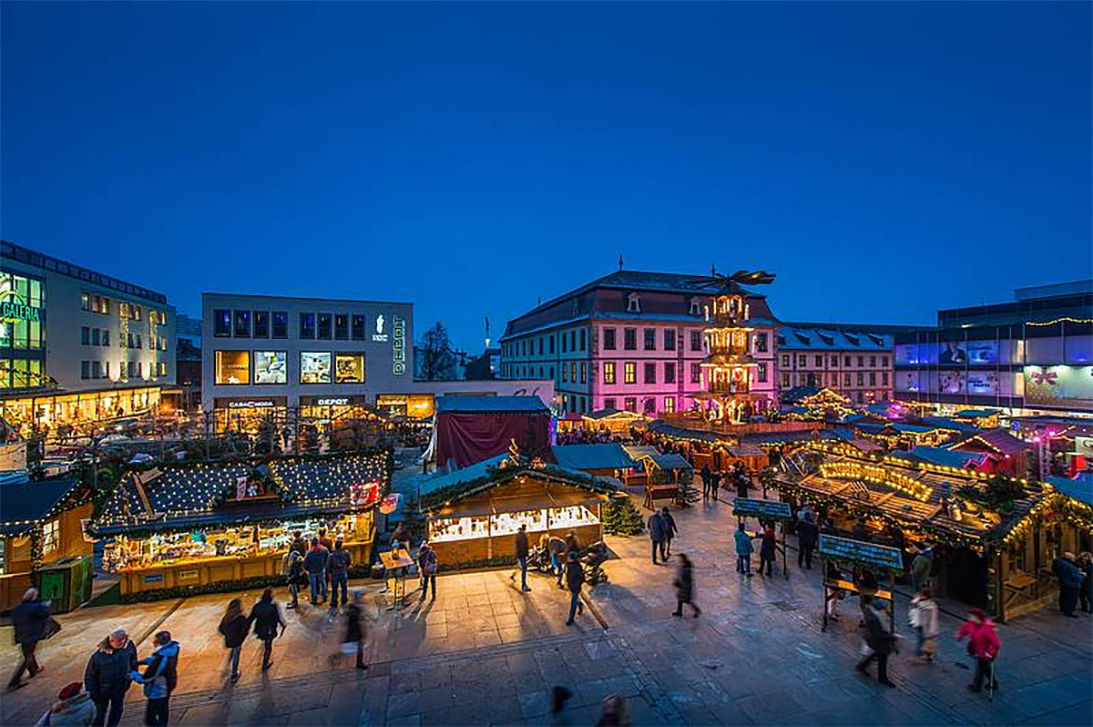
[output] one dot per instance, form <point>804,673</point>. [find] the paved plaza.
<point>485,653</point>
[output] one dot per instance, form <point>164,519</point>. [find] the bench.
<point>659,492</point>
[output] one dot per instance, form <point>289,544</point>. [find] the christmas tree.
<point>620,517</point>
<point>688,493</point>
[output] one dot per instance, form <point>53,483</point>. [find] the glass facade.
<point>22,332</point>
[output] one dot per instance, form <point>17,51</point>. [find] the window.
<point>761,373</point>
<point>565,373</point>
<point>872,362</point>
<point>85,369</point>
<point>315,367</point>
<point>96,333</point>
<point>106,338</point>
<point>550,343</point>
<point>222,323</point>
<point>270,367</point>
<point>608,339</point>
<point>819,360</point>
<point>608,372</point>
<point>630,339</point>
<point>696,373</point>
<point>861,361</point>
<point>834,361</point>
<point>669,404</point>
<point>630,373</point>
<point>51,536</point>
<point>324,326</point>
<point>785,360</point>
<point>846,362</point>
<point>650,405</point>
<point>349,368</point>
<point>341,327</point>
<point>573,340</point>
<point>357,322</point>
<point>261,324</point>
<point>669,339</point>
<point>861,379</point>
<point>630,403</point>
<point>565,342</point>
<point>85,336</point>
<point>161,368</point>
<point>761,342</point>
<point>307,325</point>
<point>872,378</point>
<point>232,367</point>
<point>884,378</point>
<point>136,312</point>
<point>802,361</point>
<point>696,340</point>
<point>584,372</point>
<point>669,373</point>
<point>584,340</point>
<point>696,309</point>
<point>785,381</point>
<point>650,373</point>
<point>846,379</point>
<point>280,324</point>
<point>609,403</point>
<point>884,361</point>
<point>85,301</point>
<point>633,303</point>
<point>242,324</point>
<point>650,339</point>
<point>573,371</point>
<point>540,345</point>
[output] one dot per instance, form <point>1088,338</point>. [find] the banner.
<point>1070,386</point>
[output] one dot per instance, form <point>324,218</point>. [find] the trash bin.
<point>67,583</point>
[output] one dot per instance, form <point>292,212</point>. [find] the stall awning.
<point>526,498</point>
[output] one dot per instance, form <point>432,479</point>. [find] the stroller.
<point>539,559</point>
<point>592,559</point>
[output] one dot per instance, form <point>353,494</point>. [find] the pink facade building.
<point>632,341</point>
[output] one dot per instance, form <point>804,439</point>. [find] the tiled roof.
<point>792,338</point>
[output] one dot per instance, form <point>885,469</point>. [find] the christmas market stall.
<point>472,514</point>
<point>616,422</point>
<point>217,527</point>
<point>606,460</point>
<point>41,528</point>
<point>470,429</point>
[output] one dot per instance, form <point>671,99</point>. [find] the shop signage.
<point>379,336</point>
<point>1084,446</point>
<point>187,575</point>
<point>398,365</point>
<point>859,551</point>
<point>340,401</point>
<point>252,404</point>
<point>12,309</point>
<point>746,507</point>
<point>153,578</point>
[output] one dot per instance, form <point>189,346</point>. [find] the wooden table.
<point>395,563</point>
<point>659,492</point>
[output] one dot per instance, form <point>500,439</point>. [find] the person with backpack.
<point>670,530</point>
<point>574,578</point>
<point>234,626</point>
<point>983,646</point>
<point>339,563</point>
<point>30,620</point>
<point>159,679</point>
<point>266,617</point>
<point>107,676</point>
<point>292,568</point>
<point>315,563</point>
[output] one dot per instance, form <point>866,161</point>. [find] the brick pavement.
<point>485,653</point>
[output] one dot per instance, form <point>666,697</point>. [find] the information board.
<point>746,507</point>
<point>859,551</point>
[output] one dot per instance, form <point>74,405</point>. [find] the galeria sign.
<point>13,309</point>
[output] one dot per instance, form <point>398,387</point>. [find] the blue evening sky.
<point>883,159</point>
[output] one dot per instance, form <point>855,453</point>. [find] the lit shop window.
<point>315,367</point>
<point>51,536</point>
<point>270,367</point>
<point>233,367</point>
<point>349,368</point>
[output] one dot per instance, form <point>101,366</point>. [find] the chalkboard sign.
<point>762,509</point>
<point>859,551</point>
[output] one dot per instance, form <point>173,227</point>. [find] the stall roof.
<point>609,413</point>
<point>746,450</point>
<point>671,430</point>
<point>640,451</point>
<point>976,413</point>
<point>941,456</point>
<point>610,455</point>
<point>670,462</point>
<point>948,423</point>
<point>28,503</point>
<point>469,404</point>
<point>998,440</point>
<point>1080,489</point>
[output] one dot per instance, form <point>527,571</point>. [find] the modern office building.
<point>1030,355</point>
<point>78,346</point>
<point>853,360</point>
<point>630,341</point>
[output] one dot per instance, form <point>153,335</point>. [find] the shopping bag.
<point>53,626</point>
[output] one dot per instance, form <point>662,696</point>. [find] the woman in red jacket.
<point>983,644</point>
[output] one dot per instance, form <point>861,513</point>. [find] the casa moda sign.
<point>13,309</point>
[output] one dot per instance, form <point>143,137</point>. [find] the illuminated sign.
<point>252,404</point>
<point>342,401</point>
<point>12,309</point>
<point>379,336</point>
<point>398,359</point>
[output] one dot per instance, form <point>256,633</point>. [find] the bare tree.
<point>438,359</point>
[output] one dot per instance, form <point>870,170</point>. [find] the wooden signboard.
<point>859,551</point>
<point>762,509</point>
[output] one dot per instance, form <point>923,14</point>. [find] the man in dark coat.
<point>1070,581</point>
<point>657,534</point>
<point>266,617</point>
<point>768,549</point>
<point>354,626</point>
<point>315,563</point>
<point>670,530</point>
<point>521,544</point>
<point>715,482</point>
<point>878,638</point>
<point>685,586</point>
<point>107,676</point>
<point>808,534</point>
<point>574,578</point>
<point>338,564</point>
<point>29,620</point>
<point>705,475</point>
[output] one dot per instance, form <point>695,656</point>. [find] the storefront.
<point>203,528</point>
<point>247,414</point>
<point>473,514</point>
<point>80,412</point>
<point>413,406</point>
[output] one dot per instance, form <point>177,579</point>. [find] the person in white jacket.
<point>925,620</point>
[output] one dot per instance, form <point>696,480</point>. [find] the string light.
<point>1064,319</point>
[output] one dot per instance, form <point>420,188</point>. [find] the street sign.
<point>747,507</point>
<point>859,551</point>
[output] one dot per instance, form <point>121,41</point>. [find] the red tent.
<point>470,429</point>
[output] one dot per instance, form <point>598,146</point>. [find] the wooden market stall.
<point>219,527</point>
<point>472,514</point>
<point>41,524</point>
<point>615,422</point>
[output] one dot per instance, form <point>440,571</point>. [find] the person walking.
<point>574,577</point>
<point>427,565</point>
<point>1070,583</point>
<point>1085,591</point>
<point>108,676</point>
<point>715,483</point>
<point>338,565</point>
<point>685,586</point>
<point>705,475</point>
<point>73,708</point>
<point>808,534</point>
<point>556,547</point>
<point>657,528</point>
<point>768,549</point>
<point>670,531</point>
<point>30,620</point>
<point>292,568</point>
<point>983,646</point>
<point>234,626</point>
<point>266,617</point>
<point>315,564</point>
<point>879,640</point>
<point>520,543</point>
<point>833,575</point>
<point>159,679</point>
<point>744,549</point>
<point>921,566</point>
<point>924,618</point>
<point>354,628</point>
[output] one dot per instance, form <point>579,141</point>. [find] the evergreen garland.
<point>620,517</point>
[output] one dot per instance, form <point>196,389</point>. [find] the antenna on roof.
<point>620,262</point>
<point>713,269</point>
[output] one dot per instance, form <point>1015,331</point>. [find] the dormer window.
<point>633,303</point>
<point>696,306</point>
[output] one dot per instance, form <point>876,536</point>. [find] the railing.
<point>727,387</point>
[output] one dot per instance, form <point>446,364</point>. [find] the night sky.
<point>884,160</point>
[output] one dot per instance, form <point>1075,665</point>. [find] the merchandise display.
<point>470,528</point>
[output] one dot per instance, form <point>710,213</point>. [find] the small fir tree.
<point>620,517</point>
<point>688,493</point>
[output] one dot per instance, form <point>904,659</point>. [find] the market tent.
<point>589,457</point>
<point>470,429</point>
